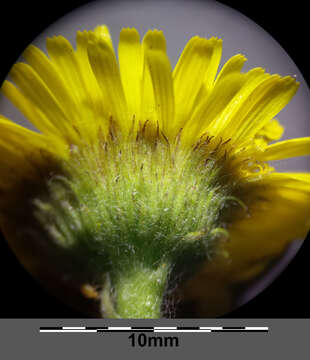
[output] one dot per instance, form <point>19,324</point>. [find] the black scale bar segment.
<point>50,327</point>
<point>233,327</point>
<point>113,331</point>
<point>188,328</point>
<point>142,327</point>
<point>96,328</point>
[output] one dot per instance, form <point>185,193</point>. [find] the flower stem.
<point>139,292</point>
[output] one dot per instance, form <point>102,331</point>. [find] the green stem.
<point>139,292</point>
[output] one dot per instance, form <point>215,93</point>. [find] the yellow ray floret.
<point>287,149</point>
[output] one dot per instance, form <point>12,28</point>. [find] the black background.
<point>21,22</point>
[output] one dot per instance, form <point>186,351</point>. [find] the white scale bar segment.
<point>182,331</point>
<point>119,328</point>
<point>165,327</point>
<point>74,327</point>
<point>67,331</point>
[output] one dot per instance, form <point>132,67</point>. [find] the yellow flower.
<point>190,124</point>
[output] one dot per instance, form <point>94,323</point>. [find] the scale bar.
<point>154,329</point>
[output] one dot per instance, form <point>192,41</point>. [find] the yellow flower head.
<point>140,172</point>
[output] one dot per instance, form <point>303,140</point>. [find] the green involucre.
<point>136,206</point>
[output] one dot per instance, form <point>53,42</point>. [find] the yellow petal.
<point>104,65</point>
<point>214,63</point>
<point>154,45</point>
<point>19,134</point>
<point>30,110</point>
<point>222,98</point>
<point>287,149</point>
<point>130,60</point>
<point>51,77</point>
<point>228,83</point>
<point>94,95</point>
<point>279,214</point>
<point>148,107</point>
<point>36,91</point>
<point>265,102</point>
<point>71,69</point>
<point>233,65</point>
<point>19,139</point>
<point>285,185</point>
<point>272,131</point>
<point>197,66</point>
<point>92,89</point>
<point>102,31</point>
<point>227,119</point>
<point>64,59</point>
<point>22,152</point>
